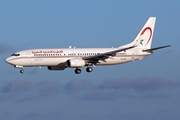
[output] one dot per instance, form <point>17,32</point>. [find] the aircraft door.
<point>28,59</point>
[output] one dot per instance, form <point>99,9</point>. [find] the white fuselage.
<point>54,57</point>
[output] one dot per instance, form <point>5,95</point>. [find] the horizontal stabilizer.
<point>152,49</point>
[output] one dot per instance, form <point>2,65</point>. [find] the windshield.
<point>15,55</point>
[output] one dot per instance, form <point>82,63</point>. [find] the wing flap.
<point>106,55</point>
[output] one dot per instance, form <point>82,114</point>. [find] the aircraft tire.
<point>77,71</point>
<point>21,71</point>
<point>89,69</point>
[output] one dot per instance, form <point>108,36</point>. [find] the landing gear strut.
<point>77,71</point>
<point>89,69</point>
<point>21,71</point>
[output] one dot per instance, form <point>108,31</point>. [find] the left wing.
<point>94,59</point>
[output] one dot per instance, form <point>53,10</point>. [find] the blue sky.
<point>146,89</point>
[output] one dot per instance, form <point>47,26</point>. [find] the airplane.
<point>61,58</point>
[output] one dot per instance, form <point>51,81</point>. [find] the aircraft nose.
<point>8,60</point>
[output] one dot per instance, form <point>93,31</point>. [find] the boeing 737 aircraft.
<point>61,58</point>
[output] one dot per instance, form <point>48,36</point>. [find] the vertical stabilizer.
<point>144,38</point>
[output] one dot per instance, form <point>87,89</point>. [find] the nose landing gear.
<point>21,71</point>
<point>19,66</point>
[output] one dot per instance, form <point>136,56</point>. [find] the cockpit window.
<point>15,55</point>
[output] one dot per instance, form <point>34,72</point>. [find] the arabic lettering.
<point>47,52</point>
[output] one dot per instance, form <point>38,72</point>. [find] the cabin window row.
<point>74,54</point>
<point>121,54</point>
<point>69,54</point>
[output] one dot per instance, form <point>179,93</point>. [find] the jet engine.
<point>75,63</point>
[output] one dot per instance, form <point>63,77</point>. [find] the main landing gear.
<point>88,69</point>
<point>77,71</point>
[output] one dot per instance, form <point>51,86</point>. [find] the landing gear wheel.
<point>77,71</point>
<point>21,71</point>
<point>89,69</point>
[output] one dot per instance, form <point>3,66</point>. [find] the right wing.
<point>95,59</point>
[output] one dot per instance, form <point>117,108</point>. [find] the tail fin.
<point>144,38</point>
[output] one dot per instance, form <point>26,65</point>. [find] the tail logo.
<point>141,42</point>
<point>145,29</point>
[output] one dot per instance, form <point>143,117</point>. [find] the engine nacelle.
<point>56,67</point>
<point>75,63</point>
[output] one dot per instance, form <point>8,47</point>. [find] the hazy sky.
<point>148,89</point>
